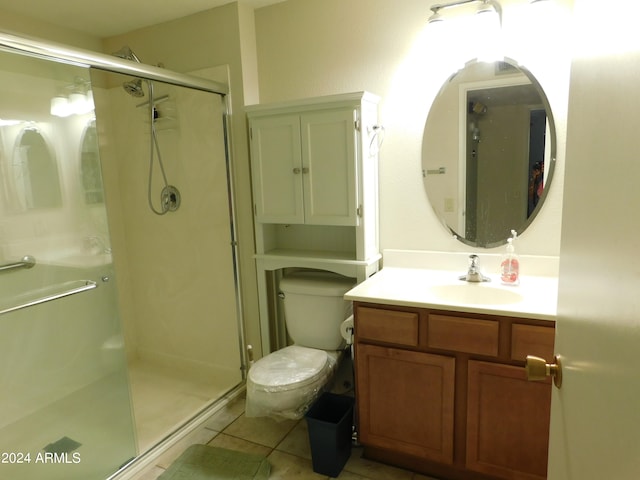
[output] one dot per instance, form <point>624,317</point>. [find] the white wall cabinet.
<point>314,167</point>
<point>276,167</point>
<point>304,168</point>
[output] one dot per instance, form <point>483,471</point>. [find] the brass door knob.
<point>538,369</point>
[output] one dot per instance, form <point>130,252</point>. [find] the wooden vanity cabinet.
<point>403,392</point>
<point>445,393</point>
<point>507,422</point>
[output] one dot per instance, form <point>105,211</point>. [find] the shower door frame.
<point>61,53</point>
<point>86,58</point>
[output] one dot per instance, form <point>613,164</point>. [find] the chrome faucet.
<point>474,274</point>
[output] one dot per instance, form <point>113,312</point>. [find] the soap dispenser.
<point>510,265</point>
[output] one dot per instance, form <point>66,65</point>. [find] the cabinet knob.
<point>538,369</point>
<point>296,171</point>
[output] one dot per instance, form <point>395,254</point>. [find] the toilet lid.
<point>290,367</point>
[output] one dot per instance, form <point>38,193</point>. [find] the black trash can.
<point>330,421</point>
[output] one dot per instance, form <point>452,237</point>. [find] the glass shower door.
<point>65,409</point>
<point>174,256</point>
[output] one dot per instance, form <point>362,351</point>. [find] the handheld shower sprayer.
<point>170,195</point>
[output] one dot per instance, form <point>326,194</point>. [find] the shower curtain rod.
<point>87,58</point>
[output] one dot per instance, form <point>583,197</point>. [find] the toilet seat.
<point>290,368</point>
<point>285,383</point>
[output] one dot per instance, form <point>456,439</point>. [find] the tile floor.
<point>284,443</point>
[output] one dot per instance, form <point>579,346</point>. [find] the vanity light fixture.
<point>489,22</point>
<point>60,106</point>
<point>435,17</point>
<point>74,99</point>
<point>491,7</point>
<point>9,123</point>
<point>481,16</point>
<point>487,8</point>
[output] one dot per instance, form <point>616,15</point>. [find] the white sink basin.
<point>474,293</point>
<point>535,297</point>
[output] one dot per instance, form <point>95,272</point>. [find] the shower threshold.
<point>163,399</point>
<point>138,465</point>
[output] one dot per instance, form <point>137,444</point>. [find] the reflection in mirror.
<point>488,152</point>
<point>35,172</point>
<point>90,166</point>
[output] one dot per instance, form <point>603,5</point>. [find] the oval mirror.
<point>90,170</point>
<point>35,172</point>
<point>488,152</point>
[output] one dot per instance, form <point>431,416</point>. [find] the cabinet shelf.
<point>279,258</point>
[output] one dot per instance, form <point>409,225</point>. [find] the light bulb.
<point>487,22</point>
<point>60,106</point>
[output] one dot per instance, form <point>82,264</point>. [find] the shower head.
<point>477,108</point>
<point>126,53</point>
<point>134,88</point>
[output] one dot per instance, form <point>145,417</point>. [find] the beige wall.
<point>384,47</point>
<point>14,23</point>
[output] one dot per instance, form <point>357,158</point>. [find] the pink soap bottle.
<point>510,265</point>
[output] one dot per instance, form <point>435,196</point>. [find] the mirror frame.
<point>550,150</point>
<point>91,181</point>
<point>20,202</point>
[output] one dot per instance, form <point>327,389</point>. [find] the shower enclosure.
<point>117,325</point>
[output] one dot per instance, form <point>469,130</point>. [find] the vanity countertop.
<point>535,297</point>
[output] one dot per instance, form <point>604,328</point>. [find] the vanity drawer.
<point>389,326</point>
<point>531,340</point>
<point>467,335</point>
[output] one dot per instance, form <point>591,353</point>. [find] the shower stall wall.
<point>117,325</point>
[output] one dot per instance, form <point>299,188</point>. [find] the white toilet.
<point>286,382</point>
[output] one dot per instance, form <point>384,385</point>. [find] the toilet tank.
<point>314,308</point>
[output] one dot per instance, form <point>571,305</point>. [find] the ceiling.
<point>105,18</point>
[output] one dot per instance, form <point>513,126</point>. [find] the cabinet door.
<point>276,168</point>
<point>507,422</point>
<point>405,401</point>
<point>329,165</point>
